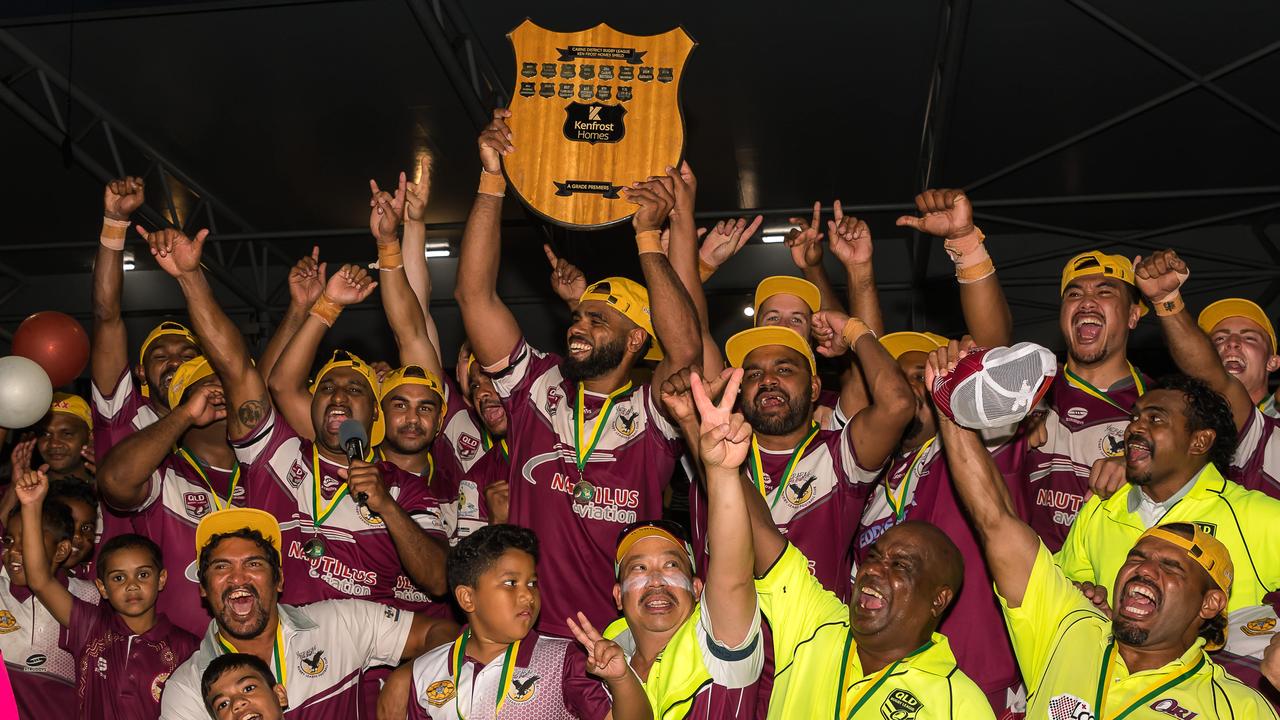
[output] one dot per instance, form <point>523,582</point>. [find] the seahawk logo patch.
<point>312,662</point>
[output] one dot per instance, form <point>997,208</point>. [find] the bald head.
<point>945,564</point>
<point>905,583</point>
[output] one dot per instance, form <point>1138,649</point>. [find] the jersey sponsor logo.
<point>900,705</point>
<point>406,591</point>
<point>101,669</point>
<point>1069,707</point>
<point>440,692</point>
<point>1261,626</point>
<point>238,495</point>
<point>467,446</point>
<point>296,475</point>
<point>554,396</point>
<point>1111,444</point>
<point>799,490</point>
<point>523,688</point>
<point>157,685</point>
<point>875,530</point>
<point>196,504</point>
<point>625,424</point>
<point>391,613</point>
<point>36,660</point>
<point>1078,413</point>
<point>329,484</point>
<point>605,503</point>
<point>312,662</point>
<point>1169,706</point>
<point>1015,701</point>
<point>337,574</point>
<point>8,623</point>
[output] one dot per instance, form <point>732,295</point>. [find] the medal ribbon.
<point>602,421</point>
<point>459,658</point>
<point>277,653</point>
<point>899,504</point>
<point>1163,684</point>
<point>757,467</point>
<point>1085,387</point>
<point>874,682</point>
<point>319,515</point>
<point>198,466</point>
<point>486,441</point>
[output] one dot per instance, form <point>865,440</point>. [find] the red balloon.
<point>56,342</point>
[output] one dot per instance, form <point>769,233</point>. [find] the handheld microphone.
<point>353,439</point>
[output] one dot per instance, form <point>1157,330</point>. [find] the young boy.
<point>500,667</point>
<point>124,650</point>
<point>80,499</point>
<point>238,685</point>
<point>43,675</point>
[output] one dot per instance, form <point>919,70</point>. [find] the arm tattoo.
<point>250,413</point>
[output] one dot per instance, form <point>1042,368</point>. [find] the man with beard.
<point>1145,660</point>
<point>171,474</point>
<point>1233,359</point>
<point>1091,396</point>
<point>816,481</point>
<point>65,438</point>
<point>591,452</point>
<point>316,652</point>
<point>1180,435</point>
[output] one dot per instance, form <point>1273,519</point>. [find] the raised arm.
<point>719,243</point>
<point>675,321</point>
<point>877,428</point>
<point>567,281</point>
<point>1159,279</point>
<point>415,246</point>
<point>850,240</point>
<point>124,477</point>
<point>682,252</point>
<point>288,382</point>
<point>32,487</point>
<point>248,402</point>
<point>948,214</point>
<point>490,326</point>
<point>110,351</point>
<point>306,282</point>
<point>404,313</point>
<point>1009,543</point>
<point>805,243</point>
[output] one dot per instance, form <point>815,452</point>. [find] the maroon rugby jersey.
<point>627,473</point>
<point>42,674</point>
<point>473,506</point>
<point>1080,428</point>
<point>460,430</point>
<point>115,417</point>
<point>973,624</point>
<point>120,674</point>
<point>360,559</point>
<point>1256,464</point>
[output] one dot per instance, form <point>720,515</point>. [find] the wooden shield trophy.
<point>593,112</point>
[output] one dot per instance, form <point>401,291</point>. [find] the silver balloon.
<point>25,392</point>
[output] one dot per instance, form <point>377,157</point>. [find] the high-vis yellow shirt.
<point>1072,669</point>
<point>1246,521</point>
<point>812,642</point>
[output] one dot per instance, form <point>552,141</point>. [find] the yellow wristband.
<point>326,310</point>
<point>705,271</point>
<point>113,232</point>
<point>978,271</point>
<point>649,241</point>
<point>854,329</point>
<point>492,184</point>
<point>389,257</point>
<point>1171,304</point>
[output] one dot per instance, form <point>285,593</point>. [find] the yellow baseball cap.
<point>900,343</point>
<point>1204,550</point>
<point>168,327</point>
<point>637,531</point>
<point>72,405</point>
<point>188,373</point>
<point>788,285</point>
<point>344,359</point>
<point>221,522</point>
<point>632,300</point>
<point>741,345</point>
<point>412,375</point>
<point>1236,307</point>
<point>1096,262</point>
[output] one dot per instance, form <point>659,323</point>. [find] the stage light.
<point>748,311</point>
<point>129,264</point>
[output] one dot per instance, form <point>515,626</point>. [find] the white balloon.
<point>25,392</point>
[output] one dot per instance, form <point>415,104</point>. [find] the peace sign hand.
<point>605,659</point>
<point>726,435</point>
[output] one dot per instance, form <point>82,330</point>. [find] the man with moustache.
<point>65,438</point>
<point>1091,396</point>
<point>590,451</point>
<point>816,481</point>
<point>483,494</point>
<point>1180,435</point>
<point>1146,659</point>
<point>317,652</point>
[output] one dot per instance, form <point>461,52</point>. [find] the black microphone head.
<point>352,430</point>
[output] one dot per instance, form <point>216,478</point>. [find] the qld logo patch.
<point>296,475</point>
<point>467,446</point>
<point>441,692</point>
<point>900,705</point>
<point>196,504</point>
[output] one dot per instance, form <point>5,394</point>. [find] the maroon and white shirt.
<point>983,653</point>
<point>1080,429</point>
<point>1256,464</point>
<point>43,675</point>
<point>460,431</point>
<point>627,472</point>
<point>360,559</point>
<point>550,682</point>
<point>120,674</point>
<point>177,500</point>
<point>473,507</point>
<point>327,646</point>
<point>116,416</point>
<point>1249,632</point>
